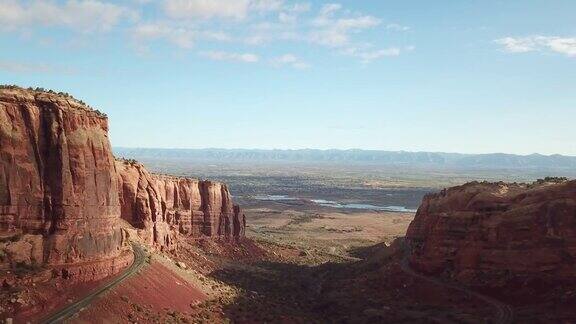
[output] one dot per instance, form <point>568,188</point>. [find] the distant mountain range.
<point>355,156</point>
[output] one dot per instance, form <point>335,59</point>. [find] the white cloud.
<point>361,22</point>
<point>517,45</point>
<point>228,56</point>
<point>289,60</point>
<point>333,31</point>
<point>286,18</point>
<point>180,37</point>
<point>367,55</point>
<point>184,37</point>
<point>189,24</point>
<point>86,16</point>
<point>25,68</point>
<point>257,22</point>
<point>562,45</point>
<point>299,7</point>
<point>565,46</point>
<point>266,5</point>
<point>207,9</point>
<point>329,37</point>
<point>397,27</point>
<point>215,36</point>
<point>329,9</point>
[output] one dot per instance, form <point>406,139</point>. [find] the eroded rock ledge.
<point>480,231</point>
<point>63,195</point>
<point>165,208</point>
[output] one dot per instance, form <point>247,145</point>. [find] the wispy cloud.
<point>85,16</point>
<point>397,27</point>
<point>229,56</point>
<point>26,68</point>
<point>258,22</point>
<point>289,60</point>
<point>181,37</point>
<point>333,30</point>
<point>243,25</point>
<point>562,45</point>
<point>367,55</point>
<point>225,9</point>
<point>186,9</point>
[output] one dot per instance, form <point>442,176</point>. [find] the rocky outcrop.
<point>62,197</point>
<point>58,195</point>
<point>480,231</point>
<point>165,209</point>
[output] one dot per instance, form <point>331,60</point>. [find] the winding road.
<point>504,313</point>
<point>67,312</point>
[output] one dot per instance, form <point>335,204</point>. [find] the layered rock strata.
<point>58,195</point>
<point>165,209</point>
<point>480,230</point>
<point>62,198</point>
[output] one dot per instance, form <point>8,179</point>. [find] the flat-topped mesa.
<point>58,200</point>
<point>166,208</point>
<point>493,230</point>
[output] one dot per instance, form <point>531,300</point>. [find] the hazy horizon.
<point>327,149</point>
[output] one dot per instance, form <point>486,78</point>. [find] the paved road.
<point>67,312</point>
<point>504,313</point>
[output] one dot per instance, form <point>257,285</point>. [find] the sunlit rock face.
<point>166,209</point>
<point>496,230</point>
<point>59,202</point>
<point>64,199</point>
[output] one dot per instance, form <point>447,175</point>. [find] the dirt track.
<point>70,310</point>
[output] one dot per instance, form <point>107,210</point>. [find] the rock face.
<point>480,231</point>
<point>165,209</point>
<point>58,195</point>
<point>62,197</point>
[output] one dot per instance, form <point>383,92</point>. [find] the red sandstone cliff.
<point>62,194</point>
<point>165,208</point>
<point>58,200</point>
<point>480,231</point>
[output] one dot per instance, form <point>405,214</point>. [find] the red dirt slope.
<point>154,295</point>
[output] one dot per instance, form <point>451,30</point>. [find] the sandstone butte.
<point>483,233</point>
<point>66,202</point>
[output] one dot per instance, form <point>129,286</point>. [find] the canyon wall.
<point>480,231</point>
<point>165,209</point>
<point>58,195</point>
<point>63,195</point>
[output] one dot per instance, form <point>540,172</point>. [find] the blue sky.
<point>472,76</point>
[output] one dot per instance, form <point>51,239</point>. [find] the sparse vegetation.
<point>128,161</point>
<point>50,91</point>
<point>551,180</point>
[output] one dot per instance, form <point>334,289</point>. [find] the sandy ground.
<point>326,229</point>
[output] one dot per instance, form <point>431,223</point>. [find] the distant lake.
<point>334,204</point>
